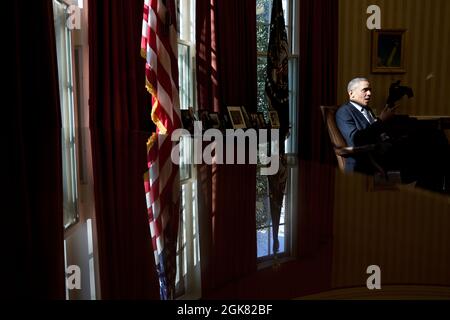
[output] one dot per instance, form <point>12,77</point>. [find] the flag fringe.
<point>151,141</point>
<point>154,116</point>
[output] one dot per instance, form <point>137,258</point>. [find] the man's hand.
<point>388,112</point>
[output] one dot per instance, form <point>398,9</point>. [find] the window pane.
<point>263,10</point>
<point>263,17</point>
<point>281,239</point>
<point>262,241</point>
<point>291,142</point>
<point>262,202</point>
<point>283,211</point>
<point>185,157</point>
<point>186,21</point>
<point>184,75</point>
<point>262,37</point>
<point>262,104</point>
<point>285,4</point>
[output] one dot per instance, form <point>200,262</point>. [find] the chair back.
<point>328,114</point>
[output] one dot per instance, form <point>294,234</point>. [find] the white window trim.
<point>189,230</point>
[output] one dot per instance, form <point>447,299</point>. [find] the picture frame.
<point>274,120</point>
<point>254,120</point>
<point>388,51</point>
<point>192,112</point>
<point>204,118</point>
<point>246,117</point>
<point>236,117</point>
<point>225,120</point>
<point>187,120</point>
<point>261,121</point>
<point>214,120</point>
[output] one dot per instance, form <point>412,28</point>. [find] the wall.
<point>427,51</point>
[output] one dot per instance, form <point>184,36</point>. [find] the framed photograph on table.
<point>214,120</point>
<point>204,118</point>
<point>236,117</point>
<point>254,120</point>
<point>246,117</point>
<point>388,51</point>
<point>187,120</point>
<point>274,120</point>
<point>261,121</point>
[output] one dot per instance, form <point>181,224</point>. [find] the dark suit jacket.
<point>357,131</point>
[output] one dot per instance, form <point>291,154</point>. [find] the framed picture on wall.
<point>236,117</point>
<point>388,51</point>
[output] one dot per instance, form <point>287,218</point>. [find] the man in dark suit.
<point>359,126</point>
<point>419,155</point>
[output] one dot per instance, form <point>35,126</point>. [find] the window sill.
<point>271,263</point>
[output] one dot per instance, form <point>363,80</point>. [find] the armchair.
<point>341,150</point>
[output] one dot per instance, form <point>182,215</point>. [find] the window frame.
<point>69,115</point>
<point>188,248</point>
<point>290,199</point>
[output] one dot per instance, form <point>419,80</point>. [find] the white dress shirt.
<point>366,113</point>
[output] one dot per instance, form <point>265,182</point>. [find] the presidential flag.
<point>277,91</point>
<point>277,79</point>
<point>162,182</point>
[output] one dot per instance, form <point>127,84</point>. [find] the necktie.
<point>368,115</point>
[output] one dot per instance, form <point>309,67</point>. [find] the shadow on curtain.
<point>33,217</point>
<point>120,125</point>
<point>226,74</point>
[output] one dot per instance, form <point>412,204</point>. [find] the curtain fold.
<point>226,54</point>
<point>34,234</point>
<point>226,75</point>
<point>208,96</point>
<point>236,35</point>
<point>318,78</point>
<point>120,125</point>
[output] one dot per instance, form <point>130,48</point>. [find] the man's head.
<point>359,91</point>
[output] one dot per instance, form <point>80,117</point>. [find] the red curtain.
<point>208,96</point>
<point>120,125</point>
<point>226,75</point>
<point>34,236</point>
<point>226,54</point>
<point>236,34</point>
<point>318,78</point>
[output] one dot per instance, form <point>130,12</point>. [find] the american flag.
<point>162,183</point>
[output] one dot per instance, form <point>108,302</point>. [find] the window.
<point>286,232</point>
<point>188,251</point>
<point>79,225</point>
<point>66,90</point>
